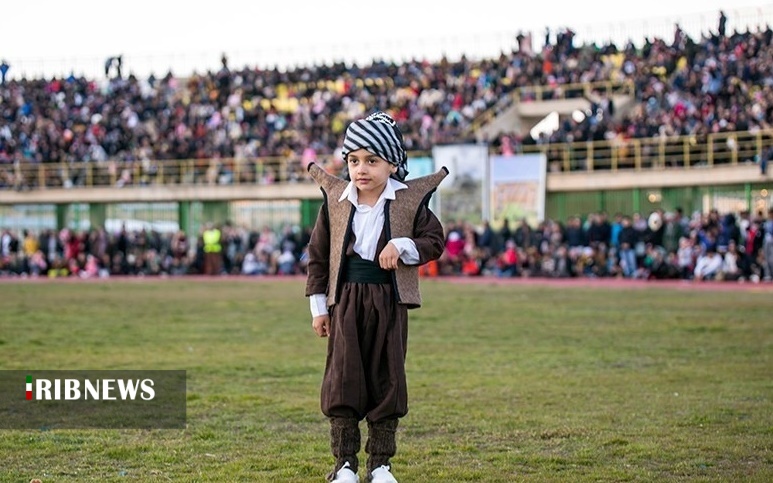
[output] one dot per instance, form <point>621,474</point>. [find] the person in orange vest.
<point>213,250</point>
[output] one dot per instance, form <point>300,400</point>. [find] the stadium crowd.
<point>721,82</point>
<point>663,245</point>
<point>659,246</point>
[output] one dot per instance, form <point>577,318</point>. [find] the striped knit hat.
<point>378,134</point>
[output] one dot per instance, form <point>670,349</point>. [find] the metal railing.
<point>683,152</point>
<point>202,172</point>
<point>638,154</point>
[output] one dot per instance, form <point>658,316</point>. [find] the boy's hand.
<point>321,325</point>
<point>389,257</point>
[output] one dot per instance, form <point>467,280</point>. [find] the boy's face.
<point>368,171</point>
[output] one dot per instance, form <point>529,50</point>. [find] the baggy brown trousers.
<point>365,369</point>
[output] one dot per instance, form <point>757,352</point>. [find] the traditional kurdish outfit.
<point>365,369</point>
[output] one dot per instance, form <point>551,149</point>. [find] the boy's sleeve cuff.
<point>409,254</point>
<point>318,304</point>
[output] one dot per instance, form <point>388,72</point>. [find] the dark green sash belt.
<point>359,270</point>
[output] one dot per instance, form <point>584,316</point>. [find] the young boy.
<point>371,234</point>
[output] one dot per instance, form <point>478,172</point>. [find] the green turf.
<point>506,383</point>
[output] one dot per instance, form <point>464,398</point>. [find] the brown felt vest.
<point>399,218</point>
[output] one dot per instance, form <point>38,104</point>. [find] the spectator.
<point>213,250</point>
<point>575,235</point>
<point>629,238</point>
<point>722,27</point>
<point>507,264</point>
<point>252,265</point>
<point>4,67</point>
<point>767,246</point>
<point>672,233</point>
<point>504,233</point>
<point>708,265</point>
<point>523,236</point>
<point>286,262</point>
<point>453,255</point>
<point>685,260</point>
<point>731,263</point>
<point>487,241</point>
<point>599,231</point>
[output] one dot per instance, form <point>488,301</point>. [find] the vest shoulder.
<point>327,181</point>
<point>430,180</point>
<point>425,184</point>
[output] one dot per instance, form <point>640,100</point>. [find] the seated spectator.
<point>660,264</point>
<point>471,265</point>
<point>708,265</point>
<point>37,264</point>
<point>91,268</point>
<point>559,264</point>
<point>253,266</point>
<point>507,263</point>
<point>286,263</point>
<point>684,257</point>
<point>452,257</point>
<point>732,260</point>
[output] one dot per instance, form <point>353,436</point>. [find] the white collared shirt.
<point>367,225</point>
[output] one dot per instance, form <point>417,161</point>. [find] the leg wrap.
<point>344,443</point>
<point>381,444</point>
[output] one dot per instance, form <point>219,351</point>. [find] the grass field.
<point>506,383</point>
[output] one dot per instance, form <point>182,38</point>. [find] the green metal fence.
<point>755,197</point>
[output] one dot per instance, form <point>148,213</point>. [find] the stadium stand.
<point>717,84</point>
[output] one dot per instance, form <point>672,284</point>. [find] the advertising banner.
<point>518,188</point>
<point>463,195</point>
